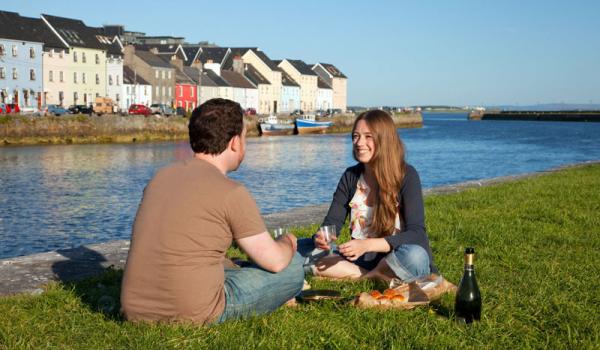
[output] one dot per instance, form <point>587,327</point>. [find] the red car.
<point>139,110</point>
<point>6,108</point>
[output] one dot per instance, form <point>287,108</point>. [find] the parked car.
<point>137,109</point>
<point>104,105</point>
<point>13,108</point>
<point>162,109</point>
<point>56,110</point>
<point>81,109</point>
<point>6,108</point>
<point>250,111</point>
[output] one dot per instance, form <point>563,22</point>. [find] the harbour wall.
<point>556,116</point>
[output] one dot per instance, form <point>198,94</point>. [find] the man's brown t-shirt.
<point>187,219</point>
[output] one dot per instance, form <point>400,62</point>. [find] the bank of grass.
<point>538,258</point>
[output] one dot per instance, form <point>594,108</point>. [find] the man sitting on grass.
<point>190,213</point>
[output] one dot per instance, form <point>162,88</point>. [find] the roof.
<point>111,45</point>
<point>190,53</point>
<point>301,67</point>
<point>235,79</point>
<point>182,78</point>
<point>76,33</point>
<point>205,79</point>
<point>16,27</point>
<point>241,51</point>
<point>254,76</point>
<point>321,84</point>
<point>333,70</point>
<point>216,54</point>
<point>286,79</point>
<point>216,79</point>
<point>193,73</point>
<point>152,59</point>
<point>166,50</point>
<point>129,77</point>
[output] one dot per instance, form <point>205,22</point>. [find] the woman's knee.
<point>414,258</point>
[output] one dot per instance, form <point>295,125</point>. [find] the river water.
<point>54,197</point>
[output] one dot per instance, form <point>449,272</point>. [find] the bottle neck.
<point>469,259</point>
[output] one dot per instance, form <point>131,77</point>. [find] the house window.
<point>60,76</point>
<point>83,57</point>
<point>32,74</point>
<point>51,53</point>
<point>15,74</point>
<point>2,50</point>
<point>145,91</point>
<point>61,54</point>
<point>169,74</point>
<point>164,91</point>
<point>74,56</point>
<point>156,74</point>
<point>192,92</point>
<point>32,52</point>
<point>170,91</point>
<point>50,76</point>
<point>117,80</point>
<point>156,92</point>
<point>14,50</point>
<point>97,79</point>
<point>127,89</point>
<point>180,89</point>
<point>110,80</point>
<point>97,59</point>
<point>75,96</point>
<point>2,73</point>
<point>75,77</point>
<point>83,80</point>
<point>118,97</point>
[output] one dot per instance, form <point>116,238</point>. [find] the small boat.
<point>272,126</point>
<point>308,125</point>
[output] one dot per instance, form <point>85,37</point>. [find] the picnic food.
<point>406,295</point>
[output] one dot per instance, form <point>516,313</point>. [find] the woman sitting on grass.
<point>382,195</point>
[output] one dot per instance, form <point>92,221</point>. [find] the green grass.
<point>538,257</point>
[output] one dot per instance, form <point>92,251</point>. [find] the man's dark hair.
<point>213,124</point>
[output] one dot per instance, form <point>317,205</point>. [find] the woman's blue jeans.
<point>250,290</point>
<point>408,261</point>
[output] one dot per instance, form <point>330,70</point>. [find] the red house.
<point>186,92</point>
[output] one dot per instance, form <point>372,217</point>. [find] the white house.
<point>134,90</point>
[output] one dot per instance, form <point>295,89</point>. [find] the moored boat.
<point>272,126</point>
<point>308,125</point>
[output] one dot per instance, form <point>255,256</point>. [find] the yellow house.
<point>77,74</point>
<point>307,78</point>
<point>269,95</point>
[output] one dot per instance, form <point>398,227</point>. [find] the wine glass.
<point>280,231</point>
<point>329,235</point>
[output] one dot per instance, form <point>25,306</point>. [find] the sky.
<point>394,53</point>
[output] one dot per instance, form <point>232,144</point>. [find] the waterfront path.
<point>27,274</point>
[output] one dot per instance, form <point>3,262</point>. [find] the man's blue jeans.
<point>408,261</point>
<point>250,290</point>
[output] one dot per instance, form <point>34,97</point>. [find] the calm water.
<point>63,196</point>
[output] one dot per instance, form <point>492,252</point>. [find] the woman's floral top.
<point>361,215</point>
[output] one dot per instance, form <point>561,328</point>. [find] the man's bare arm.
<point>272,255</point>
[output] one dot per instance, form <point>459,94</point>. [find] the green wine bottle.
<point>468,298</point>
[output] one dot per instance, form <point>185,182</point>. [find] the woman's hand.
<point>320,241</point>
<point>355,248</point>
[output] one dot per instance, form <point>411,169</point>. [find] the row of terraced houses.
<point>62,61</point>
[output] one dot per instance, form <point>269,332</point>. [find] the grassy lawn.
<point>538,267</point>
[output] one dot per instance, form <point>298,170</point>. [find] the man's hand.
<point>355,248</point>
<point>320,241</point>
<point>289,239</point>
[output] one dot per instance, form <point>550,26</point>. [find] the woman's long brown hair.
<point>388,166</point>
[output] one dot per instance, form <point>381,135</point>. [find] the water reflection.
<point>63,196</point>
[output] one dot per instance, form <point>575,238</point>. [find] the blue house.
<point>21,76</point>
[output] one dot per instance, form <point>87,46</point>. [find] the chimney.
<point>238,64</point>
<point>197,64</point>
<point>177,62</point>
